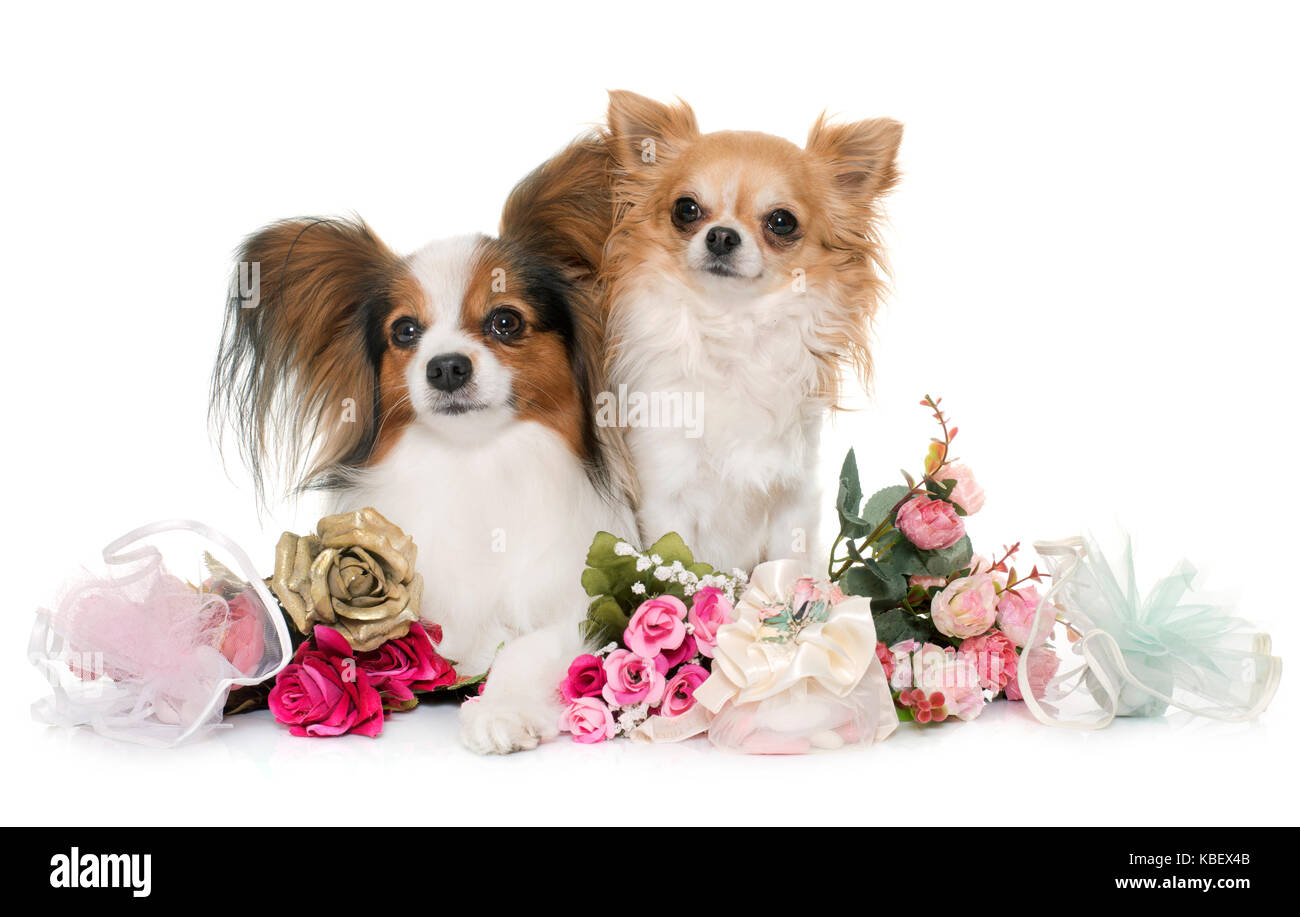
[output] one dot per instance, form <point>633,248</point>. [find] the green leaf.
<point>601,552</point>
<point>871,580</point>
<point>881,504</point>
<point>949,560</point>
<point>671,548</point>
<point>700,569</point>
<point>605,622</point>
<point>894,552</point>
<point>596,582</point>
<point>899,624</point>
<point>848,501</point>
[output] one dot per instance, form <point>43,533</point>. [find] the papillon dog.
<point>745,271</point>
<point>451,389</point>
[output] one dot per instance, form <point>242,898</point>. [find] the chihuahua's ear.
<point>643,131</point>
<point>860,155</point>
<point>296,375</point>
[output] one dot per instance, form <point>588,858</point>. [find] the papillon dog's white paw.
<point>501,725</point>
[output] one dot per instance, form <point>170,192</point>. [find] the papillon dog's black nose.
<point>449,371</point>
<point>721,240</point>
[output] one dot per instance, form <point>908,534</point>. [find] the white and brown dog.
<point>451,389</point>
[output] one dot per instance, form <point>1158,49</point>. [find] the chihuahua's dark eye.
<point>505,323</point>
<point>405,331</point>
<point>685,211</point>
<point>782,222</point>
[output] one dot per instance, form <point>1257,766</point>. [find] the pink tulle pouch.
<point>145,656</point>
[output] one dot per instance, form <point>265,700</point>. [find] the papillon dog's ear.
<point>860,156</point>
<point>296,375</point>
<point>644,132</point>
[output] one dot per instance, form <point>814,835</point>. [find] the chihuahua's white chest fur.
<point>741,491</point>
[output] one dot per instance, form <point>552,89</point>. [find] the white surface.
<point>1094,248</point>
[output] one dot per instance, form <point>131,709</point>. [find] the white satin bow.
<point>836,653</point>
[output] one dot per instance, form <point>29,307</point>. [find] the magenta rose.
<point>670,659</point>
<point>406,664</point>
<point>930,524</point>
<point>658,625</point>
<point>585,678</point>
<point>323,692</point>
<point>709,611</point>
<point>679,694</point>
<point>631,679</point>
<point>588,720</point>
<point>995,658</point>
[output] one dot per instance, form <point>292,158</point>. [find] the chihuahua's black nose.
<point>449,371</point>
<point>721,240</point>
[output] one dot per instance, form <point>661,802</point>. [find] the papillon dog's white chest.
<point>503,527</point>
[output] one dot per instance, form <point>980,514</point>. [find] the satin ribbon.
<point>1104,658</point>
<point>835,653</point>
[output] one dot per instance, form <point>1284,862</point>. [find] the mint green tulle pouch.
<point>1141,656</point>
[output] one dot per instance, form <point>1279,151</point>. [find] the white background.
<point>1094,246</point>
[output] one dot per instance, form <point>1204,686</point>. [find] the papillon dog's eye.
<point>405,331</point>
<point>505,323</point>
<point>685,211</point>
<point>782,222</point>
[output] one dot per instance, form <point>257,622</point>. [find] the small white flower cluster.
<point>631,717</point>
<point>676,572</point>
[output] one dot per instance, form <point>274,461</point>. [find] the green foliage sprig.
<point>619,577</point>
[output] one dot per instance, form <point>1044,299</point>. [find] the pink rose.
<point>1017,610</point>
<point>406,664</point>
<point>966,607</point>
<point>588,720</point>
<point>944,670</point>
<point>886,660</point>
<point>671,659</point>
<point>927,582</point>
<point>679,695</point>
<point>324,693</point>
<point>659,624</point>
<point>243,642</point>
<point>995,659</point>
<point>709,611</point>
<point>1043,663</point>
<point>631,679</point>
<point>585,678</point>
<point>930,524</point>
<point>967,494</point>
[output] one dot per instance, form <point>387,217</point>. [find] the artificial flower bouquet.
<point>951,624</point>
<point>655,615</point>
<point>351,595</point>
<point>909,624</point>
